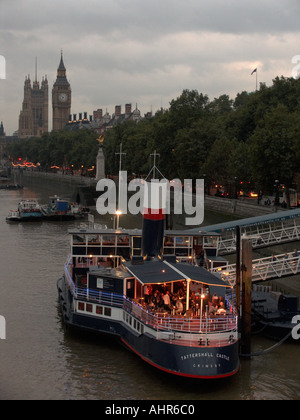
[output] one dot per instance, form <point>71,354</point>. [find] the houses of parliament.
<point>34,116</point>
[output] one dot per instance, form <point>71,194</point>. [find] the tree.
<point>273,146</point>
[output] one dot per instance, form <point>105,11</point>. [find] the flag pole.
<point>256,79</point>
<point>255,71</point>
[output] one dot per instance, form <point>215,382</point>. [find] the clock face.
<point>63,97</point>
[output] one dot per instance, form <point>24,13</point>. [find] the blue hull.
<point>188,361</point>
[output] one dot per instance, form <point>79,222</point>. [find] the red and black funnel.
<point>155,193</point>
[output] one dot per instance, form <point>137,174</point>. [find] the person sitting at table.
<point>213,310</point>
<point>179,307</point>
<point>155,299</point>
<point>151,306</point>
<point>221,309</point>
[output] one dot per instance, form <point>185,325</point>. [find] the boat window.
<point>182,241</point>
<point>123,240</point>
<point>80,306</point>
<point>89,307</point>
<point>169,241</point>
<point>99,310</point>
<point>107,311</point>
<point>210,241</point>
<point>108,240</point>
<point>93,239</point>
<point>136,245</point>
<point>78,239</point>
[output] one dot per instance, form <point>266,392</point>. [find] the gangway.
<point>265,231</point>
<point>269,268</point>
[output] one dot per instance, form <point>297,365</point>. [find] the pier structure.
<point>270,268</point>
<point>265,230</point>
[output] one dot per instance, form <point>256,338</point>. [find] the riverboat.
<point>106,288</point>
<point>28,211</point>
<point>58,210</point>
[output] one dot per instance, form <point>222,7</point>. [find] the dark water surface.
<point>40,360</point>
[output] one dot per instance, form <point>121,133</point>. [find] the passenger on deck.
<point>221,310</point>
<point>179,307</point>
<point>167,301</point>
<point>148,293</point>
<point>215,299</point>
<point>213,309</point>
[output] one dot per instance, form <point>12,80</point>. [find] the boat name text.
<point>205,354</point>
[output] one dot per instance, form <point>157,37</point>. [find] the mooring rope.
<point>259,331</point>
<point>261,353</point>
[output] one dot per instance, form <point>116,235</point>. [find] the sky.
<point>144,52</point>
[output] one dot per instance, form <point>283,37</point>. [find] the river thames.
<point>40,360</point>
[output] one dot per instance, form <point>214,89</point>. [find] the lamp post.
<point>276,186</point>
<point>202,297</point>
<point>118,214</point>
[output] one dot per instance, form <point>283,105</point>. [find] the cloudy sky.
<point>144,52</point>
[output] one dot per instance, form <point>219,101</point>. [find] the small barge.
<point>57,210</point>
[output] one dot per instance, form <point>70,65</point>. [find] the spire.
<point>61,66</point>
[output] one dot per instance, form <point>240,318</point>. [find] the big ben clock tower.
<point>61,98</point>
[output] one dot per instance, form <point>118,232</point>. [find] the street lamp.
<point>202,297</point>
<point>276,186</point>
<point>118,214</point>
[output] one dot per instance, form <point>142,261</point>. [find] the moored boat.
<point>60,210</point>
<point>28,211</point>
<point>178,327</point>
<point>14,216</point>
<point>57,210</point>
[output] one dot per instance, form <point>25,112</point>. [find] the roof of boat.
<point>163,271</point>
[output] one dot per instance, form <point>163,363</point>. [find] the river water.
<point>40,360</point>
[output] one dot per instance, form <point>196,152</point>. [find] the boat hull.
<point>166,355</point>
<point>188,361</point>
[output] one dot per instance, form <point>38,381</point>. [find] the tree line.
<point>65,149</point>
<point>251,140</point>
